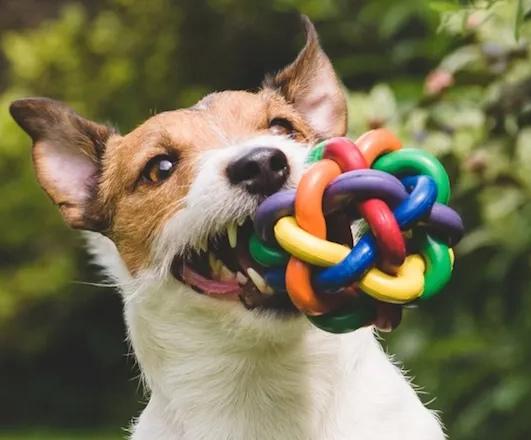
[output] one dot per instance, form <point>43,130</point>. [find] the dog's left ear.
<point>311,85</point>
<point>67,156</point>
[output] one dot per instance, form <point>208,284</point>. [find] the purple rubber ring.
<point>355,186</point>
<point>272,209</point>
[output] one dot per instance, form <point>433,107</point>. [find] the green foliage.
<point>54,436</point>
<point>453,78</point>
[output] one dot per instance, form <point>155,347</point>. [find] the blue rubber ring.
<point>362,257</point>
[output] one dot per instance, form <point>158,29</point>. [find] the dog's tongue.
<point>227,289</point>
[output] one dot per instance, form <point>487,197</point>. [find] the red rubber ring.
<point>376,212</point>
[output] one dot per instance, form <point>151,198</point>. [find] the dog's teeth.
<point>258,281</point>
<point>232,233</point>
<point>241,221</point>
<point>215,264</point>
<point>203,245</point>
<point>242,279</point>
<point>225,273</point>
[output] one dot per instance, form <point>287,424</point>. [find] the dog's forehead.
<point>215,121</point>
<point>233,100</point>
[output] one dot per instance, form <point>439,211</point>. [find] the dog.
<point>166,210</point>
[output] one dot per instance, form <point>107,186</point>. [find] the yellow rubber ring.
<point>405,286</point>
<point>307,247</point>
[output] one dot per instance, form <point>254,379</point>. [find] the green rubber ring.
<point>410,160</point>
<point>438,266</point>
<point>360,313</point>
<point>316,154</point>
<point>265,255</point>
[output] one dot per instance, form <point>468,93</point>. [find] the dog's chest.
<point>226,400</point>
<point>221,389</point>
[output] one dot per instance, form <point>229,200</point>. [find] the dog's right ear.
<point>67,153</point>
<point>311,85</point>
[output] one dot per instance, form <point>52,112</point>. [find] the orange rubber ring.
<point>309,216</point>
<point>374,143</point>
<point>309,195</point>
<point>302,294</point>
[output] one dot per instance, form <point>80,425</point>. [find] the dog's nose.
<point>263,170</point>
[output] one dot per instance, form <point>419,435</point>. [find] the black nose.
<point>262,170</point>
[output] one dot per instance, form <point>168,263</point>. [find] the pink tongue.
<point>213,287</point>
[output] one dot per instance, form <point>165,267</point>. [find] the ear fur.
<point>67,153</point>
<point>311,85</point>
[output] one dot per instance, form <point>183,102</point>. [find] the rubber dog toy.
<point>404,253</point>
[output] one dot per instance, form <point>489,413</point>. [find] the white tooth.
<point>225,273</point>
<point>242,279</point>
<point>258,281</point>
<point>214,263</point>
<point>232,232</point>
<point>241,221</point>
<point>203,245</point>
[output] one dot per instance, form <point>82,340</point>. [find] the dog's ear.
<point>67,153</point>
<point>311,85</point>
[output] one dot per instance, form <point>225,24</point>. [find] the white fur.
<point>212,202</point>
<point>216,371</point>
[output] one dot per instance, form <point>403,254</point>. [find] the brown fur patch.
<point>140,209</point>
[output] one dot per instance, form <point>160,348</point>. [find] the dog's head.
<point>175,196</point>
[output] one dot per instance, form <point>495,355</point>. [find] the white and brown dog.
<point>167,207</point>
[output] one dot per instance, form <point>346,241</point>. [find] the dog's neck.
<point>247,376</point>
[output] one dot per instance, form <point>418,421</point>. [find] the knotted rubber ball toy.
<point>406,233</point>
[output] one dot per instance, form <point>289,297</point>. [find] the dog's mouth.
<point>224,269</point>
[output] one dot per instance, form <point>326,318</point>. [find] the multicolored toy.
<point>404,255</point>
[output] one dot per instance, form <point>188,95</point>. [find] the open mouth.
<point>225,270</point>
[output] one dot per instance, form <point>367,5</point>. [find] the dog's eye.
<point>282,126</point>
<point>159,168</point>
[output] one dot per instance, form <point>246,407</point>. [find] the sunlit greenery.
<point>55,436</point>
<point>451,77</point>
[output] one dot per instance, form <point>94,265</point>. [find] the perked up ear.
<point>67,152</point>
<point>311,85</point>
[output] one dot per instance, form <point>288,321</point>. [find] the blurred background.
<point>452,77</point>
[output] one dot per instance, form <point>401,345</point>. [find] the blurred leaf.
<point>445,6</point>
<point>519,18</point>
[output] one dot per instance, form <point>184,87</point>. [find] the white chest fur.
<point>218,374</point>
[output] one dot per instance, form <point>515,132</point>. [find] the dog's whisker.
<point>104,285</point>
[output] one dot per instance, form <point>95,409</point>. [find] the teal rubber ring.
<point>265,255</point>
<point>360,313</point>
<point>316,154</point>
<point>409,160</point>
<point>439,266</point>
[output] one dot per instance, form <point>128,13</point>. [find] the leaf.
<point>518,19</point>
<point>442,6</point>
